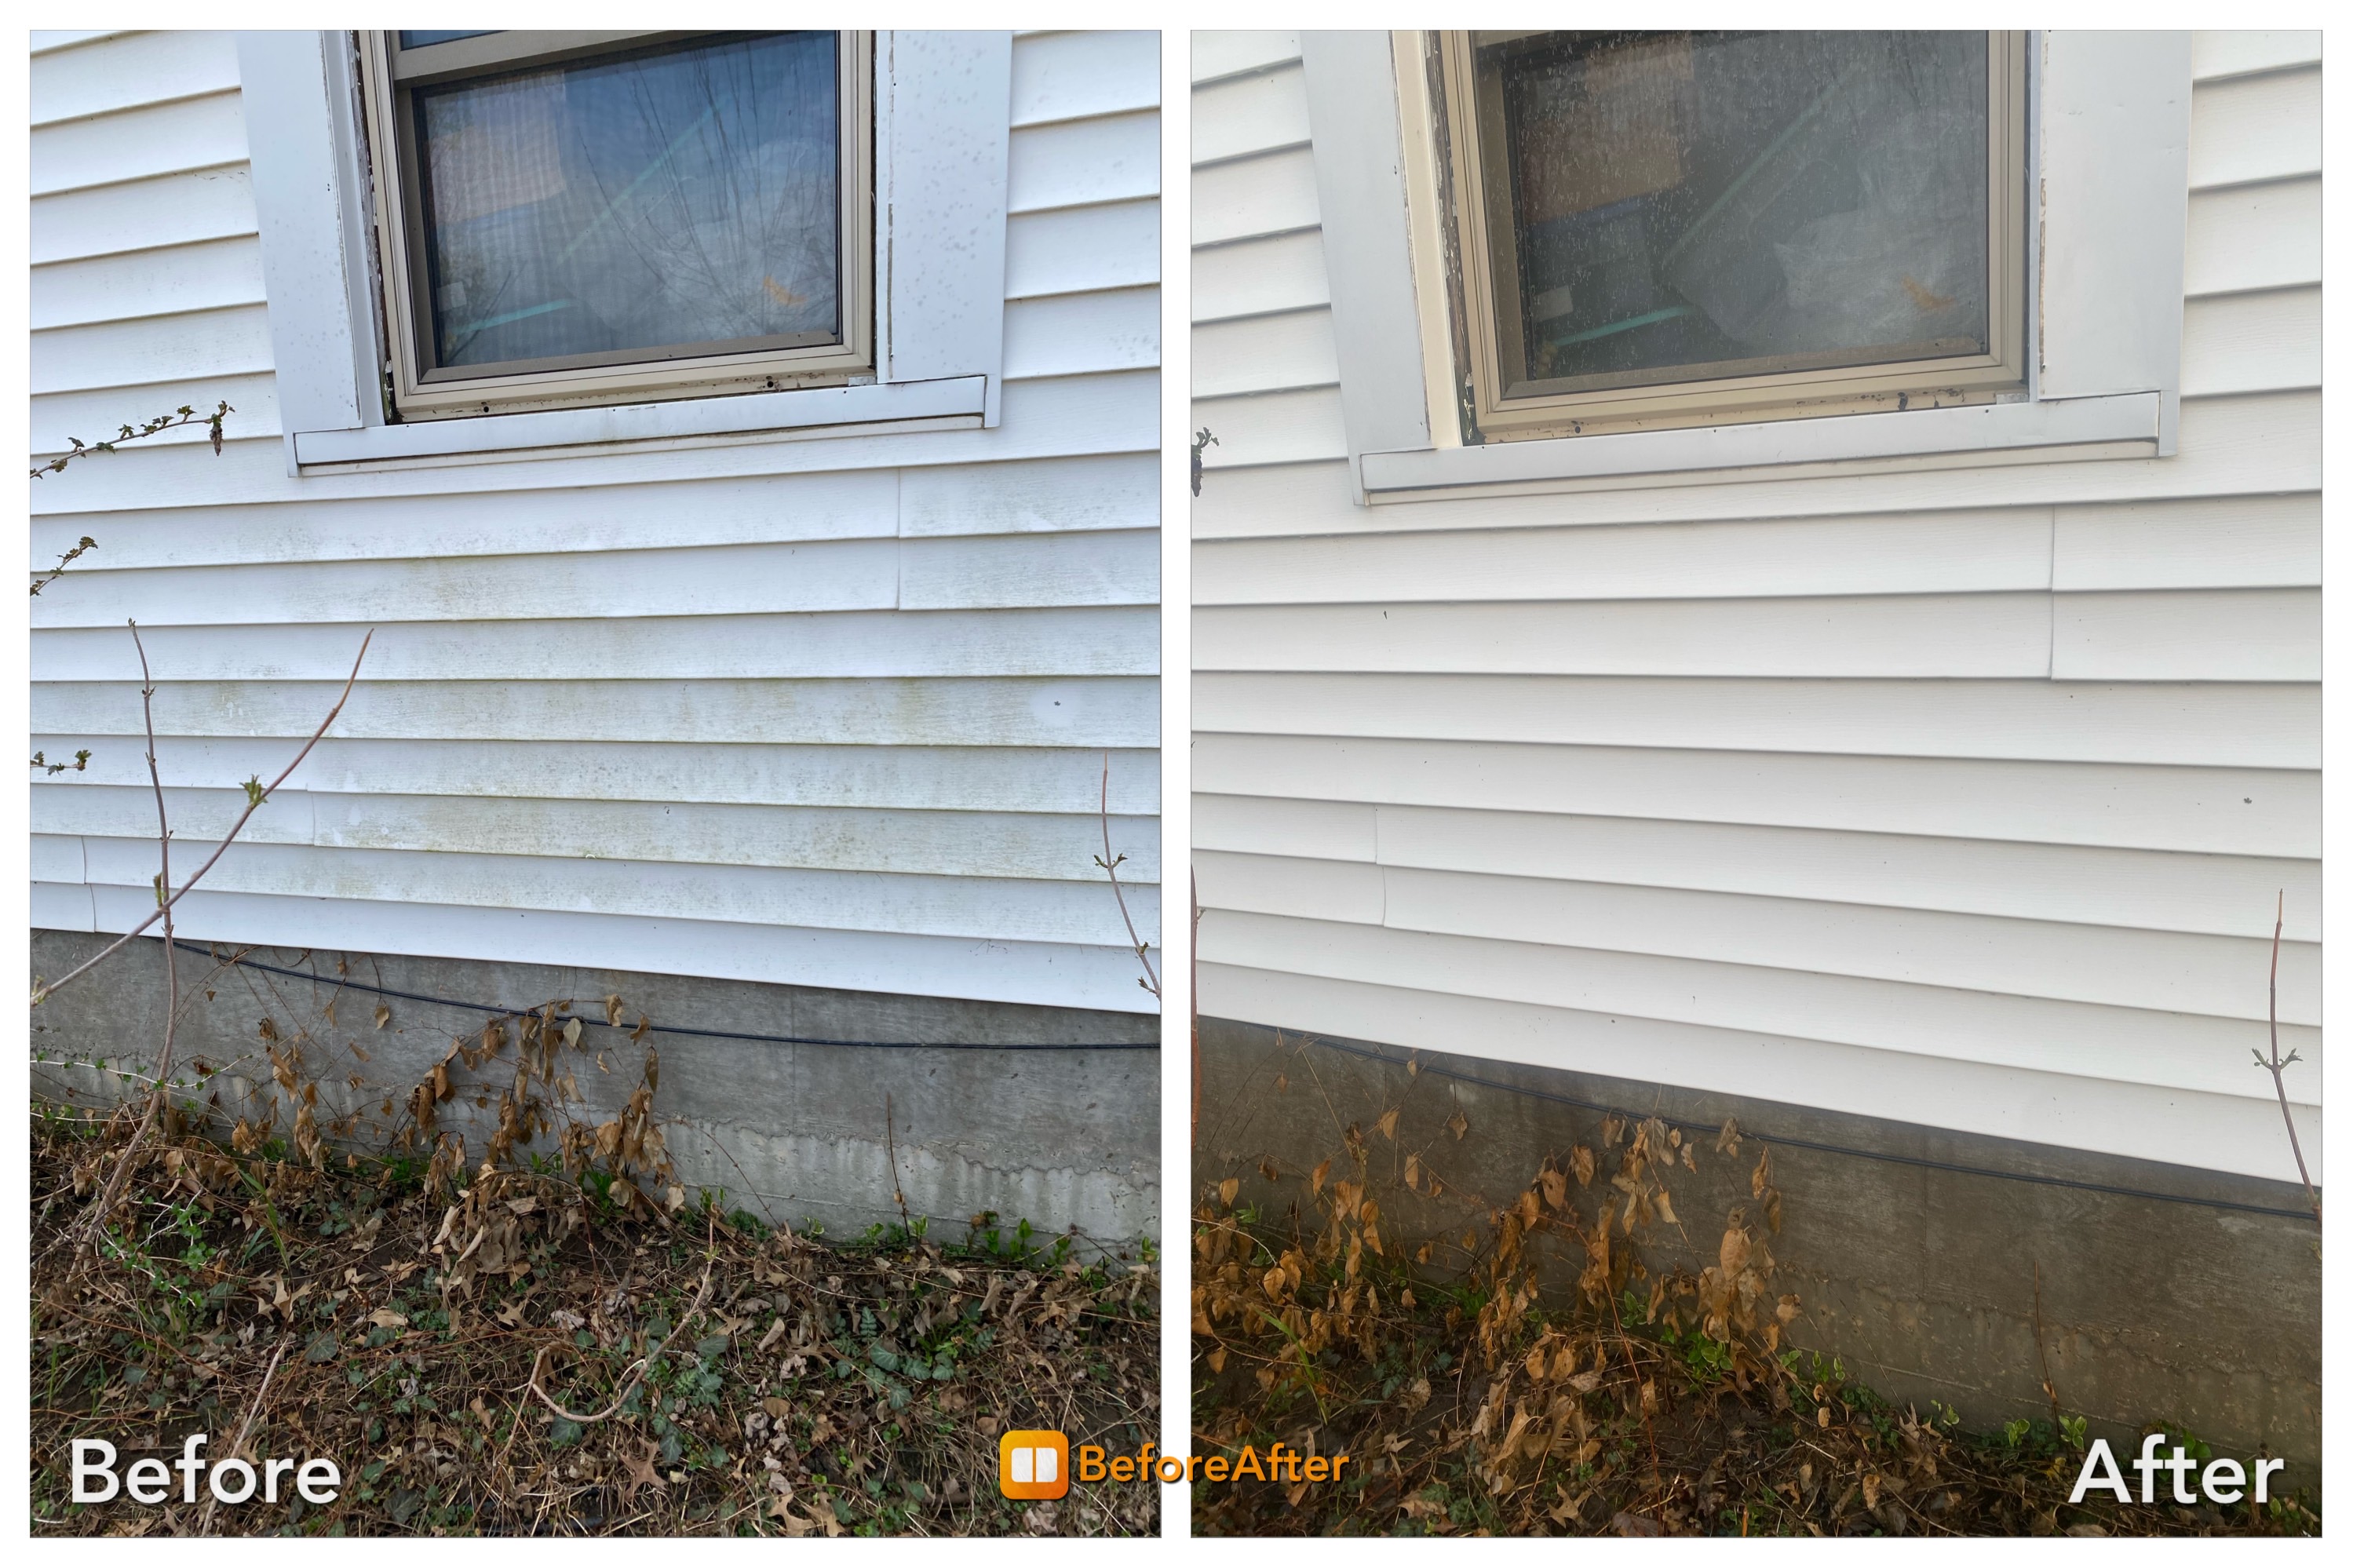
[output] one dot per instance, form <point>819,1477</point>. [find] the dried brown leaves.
<point>757,1383</point>
<point>1642,1400</point>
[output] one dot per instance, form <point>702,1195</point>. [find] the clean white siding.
<point>829,712</point>
<point>1959,797</point>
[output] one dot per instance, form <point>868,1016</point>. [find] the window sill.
<point>954,402</point>
<point>2126,425</point>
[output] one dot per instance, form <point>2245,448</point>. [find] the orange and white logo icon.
<point>1033,1465</point>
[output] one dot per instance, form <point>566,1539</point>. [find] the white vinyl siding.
<point>826,712</point>
<point>1958,795</point>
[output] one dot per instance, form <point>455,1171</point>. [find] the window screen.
<point>1722,203</point>
<point>1663,209</point>
<point>682,200</point>
<point>602,216</point>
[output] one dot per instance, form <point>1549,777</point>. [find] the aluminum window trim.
<point>1493,409</point>
<point>488,53</point>
<point>420,390</point>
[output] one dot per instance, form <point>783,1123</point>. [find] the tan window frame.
<point>420,390</point>
<point>1495,403</point>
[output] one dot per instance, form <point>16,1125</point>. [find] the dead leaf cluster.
<point>1640,1401</point>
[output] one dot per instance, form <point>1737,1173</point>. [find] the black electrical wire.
<point>1364,1052</point>
<point>341,983</point>
<point>2027,1176</point>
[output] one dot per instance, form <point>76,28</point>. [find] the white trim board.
<point>2125,424</point>
<point>2109,169</point>
<point>826,409</point>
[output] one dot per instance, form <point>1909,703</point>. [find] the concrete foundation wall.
<point>1922,1280</point>
<point>1064,1139</point>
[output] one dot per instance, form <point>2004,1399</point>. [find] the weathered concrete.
<point>1923,1281</point>
<point>1064,1139</point>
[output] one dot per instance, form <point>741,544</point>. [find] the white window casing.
<point>941,137</point>
<point>2107,177</point>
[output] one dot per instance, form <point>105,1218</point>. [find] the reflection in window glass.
<point>1690,205</point>
<point>680,201</point>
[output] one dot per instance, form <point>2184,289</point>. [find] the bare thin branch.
<point>256,796</point>
<point>1196,956</point>
<point>104,1208</point>
<point>2277,1067</point>
<point>890,1147</point>
<point>244,1428</point>
<point>2051,1389</point>
<point>1110,863</point>
<point>636,1372</point>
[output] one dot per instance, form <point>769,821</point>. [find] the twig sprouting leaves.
<point>183,415</point>
<point>1111,864</point>
<point>81,763</point>
<point>2279,1065</point>
<point>68,559</point>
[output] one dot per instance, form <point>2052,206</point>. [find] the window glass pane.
<point>415,40</point>
<point>1688,205</point>
<point>683,200</point>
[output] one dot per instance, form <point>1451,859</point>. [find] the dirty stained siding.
<point>831,712</point>
<point>1958,797</point>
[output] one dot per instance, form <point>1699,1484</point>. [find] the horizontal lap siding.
<point>1038,845</point>
<point>1960,795</point>
<point>832,712</point>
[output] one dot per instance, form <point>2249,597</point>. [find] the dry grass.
<point>789,1388</point>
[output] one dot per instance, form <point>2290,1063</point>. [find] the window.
<point>579,218</point>
<point>1660,229</point>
